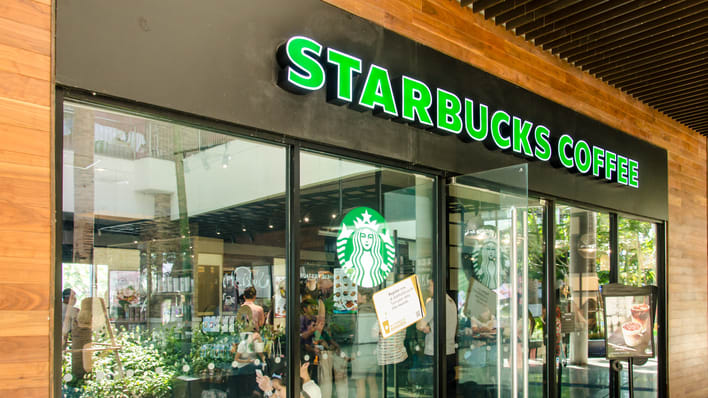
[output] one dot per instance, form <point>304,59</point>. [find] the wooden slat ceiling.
<point>654,50</point>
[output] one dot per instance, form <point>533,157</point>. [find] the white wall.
<point>252,172</point>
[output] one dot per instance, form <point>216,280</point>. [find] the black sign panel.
<point>218,60</point>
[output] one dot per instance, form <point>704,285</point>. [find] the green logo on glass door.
<point>364,247</point>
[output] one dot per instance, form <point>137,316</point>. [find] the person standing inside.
<point>426,326</point>
<point>258,316</point>
<point>246,361</point>
<point>276,386</point>
<point>364,364</point>
<point>69,314</point>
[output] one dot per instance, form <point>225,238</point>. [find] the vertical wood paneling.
<point>458,32</point>
<point>25,198</point>
<point>25,115</point>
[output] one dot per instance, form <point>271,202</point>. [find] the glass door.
<point>365,229</point>
<point>582,264</point>
<point>488,281</point>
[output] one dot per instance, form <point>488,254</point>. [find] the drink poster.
<point>280,298</point>
<point>124,288</point>
<point>229,293</point>
<point>629,313</point>
<point>345,293</point>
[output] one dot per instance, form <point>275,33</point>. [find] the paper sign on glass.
<point>399,306</point>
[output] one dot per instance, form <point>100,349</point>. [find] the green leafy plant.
<point>146,373</point>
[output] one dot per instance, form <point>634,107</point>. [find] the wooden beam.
<point>622,44</point>
<point>649,55</point>
<point>664,81</point>
<point>684,40</point>
<point>652,24</point>
<point>565,17</point>
<point>685,63</point>
<point>574,35</point>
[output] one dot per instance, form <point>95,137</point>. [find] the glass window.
<point>365,228</point>
<point>582,266</point>
<point>495,281</point>
<point>174,280</point>
<point>173,258</point>
<point>536,354</point>
<point>637,267</point>
<point>637,252</point>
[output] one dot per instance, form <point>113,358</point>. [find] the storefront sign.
<point>364,247</point>
<point>308,66</point>
<point>399,306</point>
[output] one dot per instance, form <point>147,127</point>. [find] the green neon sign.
<point>416,100</point>
<point>306,66</point>
<point>364,247</point>
<point>377,93</point>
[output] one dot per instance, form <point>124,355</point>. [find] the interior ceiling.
<point>654,50</point>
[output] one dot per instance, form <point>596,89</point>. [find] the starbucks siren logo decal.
<point>364,247</point>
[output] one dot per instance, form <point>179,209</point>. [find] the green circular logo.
<point>364,247</point>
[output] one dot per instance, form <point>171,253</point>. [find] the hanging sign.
<point>364,247</point>
<point>308,66</point>
<point>399,306</point>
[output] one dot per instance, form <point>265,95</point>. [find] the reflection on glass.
<point>363,229</point>
<point>536,298</point>
<point>582,266</point>
<point>637,267</point>
<point>173,258</point>
<point>495,282</point>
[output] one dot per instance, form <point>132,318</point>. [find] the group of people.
<point>329,358</point>
<point>363,355</point>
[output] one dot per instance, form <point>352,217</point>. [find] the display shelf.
<point>128,321</point>
<point>172,293</point>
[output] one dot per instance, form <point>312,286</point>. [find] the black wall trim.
<point>226,70</point>
<point>292,320</point>
<point>615,380</point>
<point>55,388</point>
<point>440,281</point>
<point>663,307</point>
<point>549,290</point>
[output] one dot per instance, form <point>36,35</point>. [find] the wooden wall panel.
<point>458,32</point>
<point>25,197</point>
<point>25,155</point>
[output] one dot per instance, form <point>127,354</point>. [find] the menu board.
<point>261,280</point>
<point>257,276</point>
<point>229,293</point>
<point>629,313</point>
<point>399,306</point>
<point>345,293</point>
